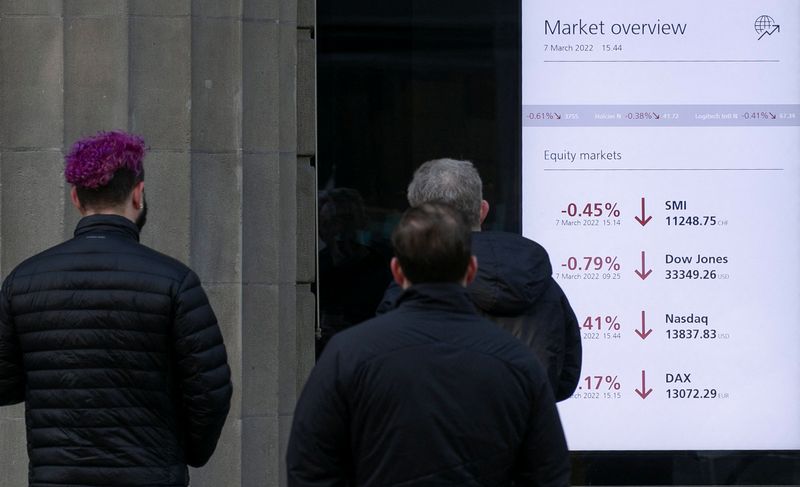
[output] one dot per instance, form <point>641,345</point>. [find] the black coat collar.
<point>450,296</point>
<point>107,224</point>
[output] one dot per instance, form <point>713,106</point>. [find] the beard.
<point>141,220</point>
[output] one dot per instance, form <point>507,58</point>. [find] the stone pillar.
<point>224,94</point>
<point>31,136</point>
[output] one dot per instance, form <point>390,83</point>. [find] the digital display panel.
<point>661,145</point>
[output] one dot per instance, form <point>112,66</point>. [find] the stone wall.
<point>224,95</point>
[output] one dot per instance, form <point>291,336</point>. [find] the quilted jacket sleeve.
<point>203,372</point>
<point>12,374</point>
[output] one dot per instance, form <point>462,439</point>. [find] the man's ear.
<point>137,197</point>
<point>484,210</point>
<point>472,271</point>
<point>76,202</point>
<point>398,274</point>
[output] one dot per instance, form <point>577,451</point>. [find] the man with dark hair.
<point>426,253</point>
<point>429,393</point>
<point>514,287</point>
<point>112,346</point>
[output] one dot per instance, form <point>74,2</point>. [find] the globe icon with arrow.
<point>765,25</point>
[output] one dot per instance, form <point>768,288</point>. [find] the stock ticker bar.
<point>661,115</point>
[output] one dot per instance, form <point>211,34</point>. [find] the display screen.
<point>661,145</point>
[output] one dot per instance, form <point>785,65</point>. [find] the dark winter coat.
<point>118,356</point>
<point>428,394</point>
<point>515,289</point>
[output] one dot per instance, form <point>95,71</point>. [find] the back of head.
<point>454,182</point>
<point>432,243</point>
<point>104,168</point>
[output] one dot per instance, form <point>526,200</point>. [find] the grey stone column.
<point>224,94</point>
<point>31,135</point>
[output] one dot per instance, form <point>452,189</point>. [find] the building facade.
<point>224,95</point>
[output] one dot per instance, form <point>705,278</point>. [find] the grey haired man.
<point>514,286</point>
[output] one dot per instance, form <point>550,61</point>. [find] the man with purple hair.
<point>112,346</point>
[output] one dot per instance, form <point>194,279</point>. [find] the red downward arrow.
<point>644,273</point>
<point>644,220</point>
<point>643,395</point>
<point>643,334</point>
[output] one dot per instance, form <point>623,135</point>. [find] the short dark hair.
<point>433,243</point>
<point>112,194</point>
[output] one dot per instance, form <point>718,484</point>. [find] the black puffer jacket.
<point>429,394</point>
<point>515,289</point>
<point>118,356</point>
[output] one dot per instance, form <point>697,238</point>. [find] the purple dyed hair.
<point>94,160</point>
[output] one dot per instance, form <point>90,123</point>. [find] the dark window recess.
<point>402,82</point>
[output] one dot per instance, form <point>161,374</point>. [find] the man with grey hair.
<point>514,286</point>
<point>456,182</point>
